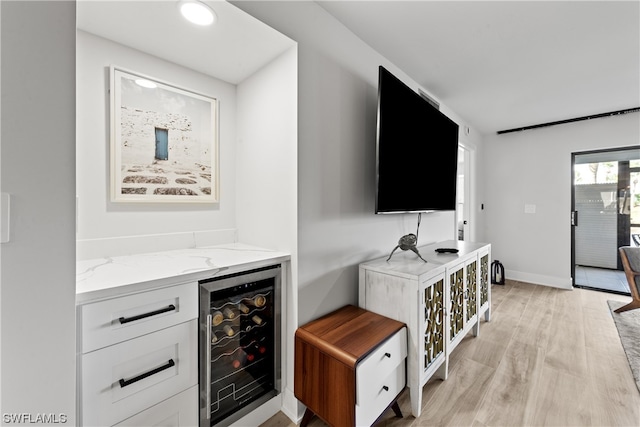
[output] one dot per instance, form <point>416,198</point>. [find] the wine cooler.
<point>239,344</point>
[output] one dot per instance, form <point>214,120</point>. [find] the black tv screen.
<point>416,151</point>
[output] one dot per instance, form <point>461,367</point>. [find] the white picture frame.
<point>164,141</point>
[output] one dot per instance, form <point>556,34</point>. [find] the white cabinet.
<point>138,356</point>
<point>137,321</point>
<point>179,410</point>
<point>119,319</point>
<point>440,301</point>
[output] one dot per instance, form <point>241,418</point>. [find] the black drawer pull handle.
<point>388,355</point>
<point>124,320</point>
<point>384,387</point>
<point>124,383</point>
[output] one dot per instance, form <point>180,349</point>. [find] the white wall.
<point>534,167</point>
<point>266,148</point>
<point>38,170</point>
<point>258,158</point>
<point>98,217</point>
<point>337,89</point>
<point>266,178</point>
<point>336,225</point>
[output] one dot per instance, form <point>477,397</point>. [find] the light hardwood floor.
<point>548,357</point>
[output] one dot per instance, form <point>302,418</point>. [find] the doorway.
<point>605,215</point>
<point>463,193</point>
<point>162,144</point>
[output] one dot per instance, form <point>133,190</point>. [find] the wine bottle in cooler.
<point>216,318</point>
<point>228,313</point>
<point>256,301</point>
<point>214,337</point>
<point>243,308</point>
<point>238,359</point>
<point>259,349</point>
<point>262,349</point>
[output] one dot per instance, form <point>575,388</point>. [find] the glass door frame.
<point>575,220</point>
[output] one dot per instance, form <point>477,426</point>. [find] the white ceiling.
<point>508,64</point>
<point>231,50</point>
<point>499,65</point>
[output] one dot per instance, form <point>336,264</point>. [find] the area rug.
<point>628,324</point>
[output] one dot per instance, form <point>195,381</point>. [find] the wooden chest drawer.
<point>120,380</point>
<point>119,319</point>
<point>350,366</point>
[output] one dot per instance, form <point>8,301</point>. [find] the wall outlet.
<point>529,209</point>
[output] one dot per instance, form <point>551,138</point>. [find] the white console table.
<point>440,300</point>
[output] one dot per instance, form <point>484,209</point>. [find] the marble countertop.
<point>101,278</point>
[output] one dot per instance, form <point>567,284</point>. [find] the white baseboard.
<point>285,402</point>
<point>539,279</point>
<point>261,414</point>
<point>292,407</point>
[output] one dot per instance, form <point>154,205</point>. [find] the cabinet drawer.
<point>376,367</point>
<point>367,411</point>
<point>121,380</point>
<point>119,319</point>
<point>177,411</point>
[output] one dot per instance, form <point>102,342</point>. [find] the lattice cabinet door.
<point>455,276</point>
<point>463,296</point>
<point>471,290</point>
<point>484,287</point>
<point>433,303</point>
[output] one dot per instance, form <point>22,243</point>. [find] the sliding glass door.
<point>605,216</point>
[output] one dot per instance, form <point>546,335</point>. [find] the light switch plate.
<point>530,209</point>
<point>5,209</point>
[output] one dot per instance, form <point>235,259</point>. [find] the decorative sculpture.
<point>406,243</point>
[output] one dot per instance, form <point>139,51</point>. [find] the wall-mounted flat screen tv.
<point>416,151</point>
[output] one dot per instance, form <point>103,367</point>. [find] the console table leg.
<point>416,400</point>
<point>443,371</point>
<point>308,414</point>
<point>476,328</point>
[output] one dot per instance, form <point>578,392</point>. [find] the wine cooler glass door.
<point>241,345</point>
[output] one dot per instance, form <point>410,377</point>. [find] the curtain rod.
<point>577,119</point>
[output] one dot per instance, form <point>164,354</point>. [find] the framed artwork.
<point>164,142</point>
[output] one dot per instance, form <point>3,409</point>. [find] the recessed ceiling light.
<point>146,83</point>
<point>197,12</point>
